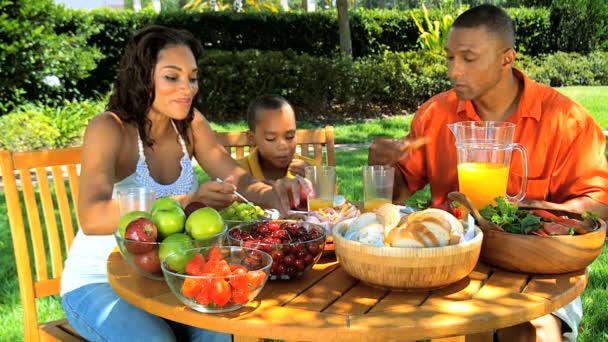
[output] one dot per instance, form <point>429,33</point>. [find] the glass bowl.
<point>215,284</point>
<point>295,246</point>
<point>144,257</point>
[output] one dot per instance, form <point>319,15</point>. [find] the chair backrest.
<point>35,189</point>
<point>310,141</point>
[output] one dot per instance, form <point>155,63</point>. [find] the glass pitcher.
<point>484,157</point>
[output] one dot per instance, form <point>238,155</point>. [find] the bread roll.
<point>427,228</point>
<point>389,216</point>
<point>360,222</point>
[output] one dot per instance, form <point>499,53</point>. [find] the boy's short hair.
<point>264,102</point>
<point>494,18</point>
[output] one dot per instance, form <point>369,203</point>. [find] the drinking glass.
<point>135,199</point>
<point>323,180</point>
<point>378,183</point>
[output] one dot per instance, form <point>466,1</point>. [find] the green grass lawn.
<point>595,298</point>
<point>594,99</point>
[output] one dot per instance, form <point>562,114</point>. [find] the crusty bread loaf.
<point>426,228</point>
<point>389,216</point>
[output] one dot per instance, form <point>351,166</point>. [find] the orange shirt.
<point>565,146</point>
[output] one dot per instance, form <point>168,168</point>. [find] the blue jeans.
<point>99,314</point>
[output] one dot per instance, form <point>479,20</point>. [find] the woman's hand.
<point>215,194</point>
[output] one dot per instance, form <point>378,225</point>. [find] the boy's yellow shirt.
<point>251,163</point>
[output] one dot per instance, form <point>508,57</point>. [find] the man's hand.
<point>215,194</point>
<point>297,167</point>
<point>384,151</point>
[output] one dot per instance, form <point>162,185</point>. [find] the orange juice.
<point>482,182</point>
<point>374,203</point>
<point>319,203</point>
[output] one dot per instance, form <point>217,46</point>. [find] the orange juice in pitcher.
<point>483,182</point>
<point>484,151</point>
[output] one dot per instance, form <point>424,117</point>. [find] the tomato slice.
<point>220,291</point>
<point>203,295</point>
<point>215,254</point>
<point>240,295</point>
<point>196,265</point>
<point>256,278</point>
<point>191,287</point>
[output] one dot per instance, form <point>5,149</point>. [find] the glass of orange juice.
<point>378,183</point>
<point>323,180</point>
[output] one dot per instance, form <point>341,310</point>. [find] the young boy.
<point>272,130</point>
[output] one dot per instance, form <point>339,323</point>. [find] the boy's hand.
<point>216,195</point>
<point>297,167</point>
<point>290,192</point>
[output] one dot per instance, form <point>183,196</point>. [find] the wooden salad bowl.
<point>542,254</point>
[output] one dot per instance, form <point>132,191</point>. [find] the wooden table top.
<point>327,304</point>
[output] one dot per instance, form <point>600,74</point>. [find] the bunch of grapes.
<point>242,212</point>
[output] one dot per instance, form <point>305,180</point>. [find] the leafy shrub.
<point>34,126</point>
<point>27,130</point>
<point>31,49</point>
<point>567,69</point>
<point>316,34</point>
<point>579,25</point>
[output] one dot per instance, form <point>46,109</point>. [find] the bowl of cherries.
<point>295,246</point>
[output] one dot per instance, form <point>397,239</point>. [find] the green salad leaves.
<point>510,218</point>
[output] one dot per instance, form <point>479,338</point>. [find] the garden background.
<point>57,67</point>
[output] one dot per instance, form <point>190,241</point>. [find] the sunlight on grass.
<point>594,99</point>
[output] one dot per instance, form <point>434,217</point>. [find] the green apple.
<point>173,249</point>
<point>169,220</point>
<point>204,223</point>
<point>128,217</point>
<point>164,203</point>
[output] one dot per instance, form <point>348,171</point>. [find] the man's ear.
<point>508,59</point>
<point>250,138</point>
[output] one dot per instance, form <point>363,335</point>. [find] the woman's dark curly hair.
<point>133,91</point>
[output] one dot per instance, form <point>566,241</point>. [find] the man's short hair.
<point>494,18</point>
<point>264,102</point>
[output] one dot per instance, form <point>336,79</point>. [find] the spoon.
<point>464,200</point>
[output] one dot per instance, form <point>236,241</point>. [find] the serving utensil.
<point>464,200</point>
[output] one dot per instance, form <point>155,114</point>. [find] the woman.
<point>147,137</point>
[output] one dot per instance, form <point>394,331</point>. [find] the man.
<point>567,166</point>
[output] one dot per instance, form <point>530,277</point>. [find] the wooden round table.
<point>327,304</point>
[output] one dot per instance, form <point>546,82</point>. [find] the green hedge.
<point>328,89</point>
<point>321,89</point>
<point>316,34</point>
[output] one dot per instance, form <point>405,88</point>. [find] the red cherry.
<point>273,226</point>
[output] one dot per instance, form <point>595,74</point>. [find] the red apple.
<point>137,235</point>
<point>149,261</point>
<point>192,207</point>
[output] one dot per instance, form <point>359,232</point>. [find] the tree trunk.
<point>381,4</point>
<point>345,42</point>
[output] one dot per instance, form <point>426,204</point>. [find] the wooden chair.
<point>41,245</point>
<point>310,141</point>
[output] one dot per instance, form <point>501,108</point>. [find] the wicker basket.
<point>407,268</point>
